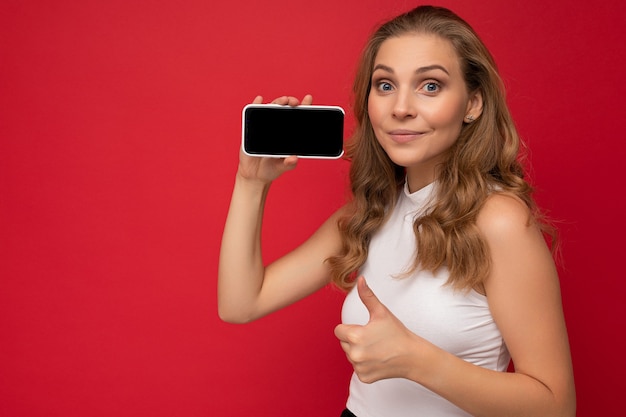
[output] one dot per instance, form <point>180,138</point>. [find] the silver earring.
<point>469,118</point>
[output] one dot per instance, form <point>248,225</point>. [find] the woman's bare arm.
<point>247,289</point>
<point>524,297</point>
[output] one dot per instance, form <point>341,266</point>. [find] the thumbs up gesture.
<point>384,347</point>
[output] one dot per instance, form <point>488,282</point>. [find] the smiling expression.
<point>418,102</point>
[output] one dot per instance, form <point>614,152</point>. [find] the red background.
<point>119,133</point>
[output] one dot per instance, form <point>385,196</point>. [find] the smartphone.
<point>273,130</point>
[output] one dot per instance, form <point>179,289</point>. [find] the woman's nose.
<point>404,106</point>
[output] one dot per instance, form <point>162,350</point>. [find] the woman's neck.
<point>418,178</point>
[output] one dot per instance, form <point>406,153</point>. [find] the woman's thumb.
<point>369,299</point>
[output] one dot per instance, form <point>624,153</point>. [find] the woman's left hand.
<point>384,347</point>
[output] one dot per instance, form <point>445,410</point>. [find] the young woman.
<point>454,278</point>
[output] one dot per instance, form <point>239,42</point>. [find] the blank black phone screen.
<point>284,131</point>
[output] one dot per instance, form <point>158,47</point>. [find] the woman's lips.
<point>404,136</point>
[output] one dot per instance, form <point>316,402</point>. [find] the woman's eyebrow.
<point>417,71</point>
<point>384,68</point>
<point>430,68</point>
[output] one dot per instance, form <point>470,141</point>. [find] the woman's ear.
<point>474,107</point>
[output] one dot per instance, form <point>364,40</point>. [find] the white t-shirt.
<point>459,322</point>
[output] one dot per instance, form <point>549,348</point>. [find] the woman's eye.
<point>385,86</point>
<point>431,87</point>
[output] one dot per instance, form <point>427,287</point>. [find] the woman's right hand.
<point>264,169</point>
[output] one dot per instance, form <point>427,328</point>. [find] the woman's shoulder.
<point>504,214</point>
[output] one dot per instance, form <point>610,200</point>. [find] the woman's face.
<point>418,102</point>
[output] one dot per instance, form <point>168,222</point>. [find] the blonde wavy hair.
<point>485,159</point>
